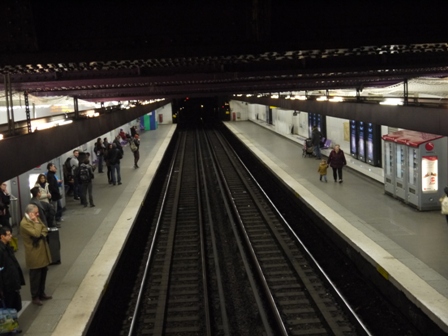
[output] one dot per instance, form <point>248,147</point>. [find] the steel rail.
<point>152,247</point>
<point>363,328</point>
<point>163,298</point>
<point>262,279</point>
<point>222,297</point>
<point>231,209</point>
<point>200,164</point>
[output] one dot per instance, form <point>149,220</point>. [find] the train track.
<point>222,261</point>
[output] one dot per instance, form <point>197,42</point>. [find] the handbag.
<point>14,243</point>
<point>8,320</point>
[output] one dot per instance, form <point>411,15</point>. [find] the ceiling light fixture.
<point>336,99</point>
<point>392,101</point>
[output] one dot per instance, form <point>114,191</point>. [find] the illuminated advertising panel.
<point>429,174</point>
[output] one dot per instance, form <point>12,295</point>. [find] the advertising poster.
<point>429,174</point>
<point>346,130</point>
<point>369,141</point>
<point>353,142</point>
<point>361,150</point>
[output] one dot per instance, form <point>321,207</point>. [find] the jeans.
<point>136,157</point>
<point>59,210</point>
<point>100,163</point>
<point>54,204</point>
<point>317,151</point>
<point>76,188</point>
<point>109,173</point>
<point>324,178</point>
<point>115,167</point>
<point>86,187</point>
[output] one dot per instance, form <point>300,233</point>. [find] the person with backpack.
<point>134,144</point>
<point>85,177</point>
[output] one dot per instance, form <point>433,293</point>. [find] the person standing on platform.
<point>115,156</point>
<point>59,203</point>
<point>133,131</point>
<point>336,160</point>
<point>135,148</point>
<point>42,183</point>
<point>74,163</point>
<point>99,151</point>
<point>122,134</point>
<point>5,201</point>
<point>37,252</point>
<point>117,143</point>
<point>11,275</point>
<point>316,136</point>
<point>85,177</point>
<point>53,186</point>
<point>322,169</point>
<point>107,160</point>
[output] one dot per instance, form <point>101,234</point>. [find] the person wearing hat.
<point>136,153</point>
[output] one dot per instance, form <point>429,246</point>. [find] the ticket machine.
<point>414,162</point>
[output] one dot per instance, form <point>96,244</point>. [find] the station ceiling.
<point>117,51</point>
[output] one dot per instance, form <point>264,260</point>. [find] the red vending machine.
<point>417,163</point>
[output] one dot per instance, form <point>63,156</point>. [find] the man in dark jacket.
<point>114,157</point>
<point>11,275</point>
<point>117,143</point>
<point>53,186</point>
<point>315,139</point>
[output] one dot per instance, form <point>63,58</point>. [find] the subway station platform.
<point>411,246</point>
<point>91,240</point>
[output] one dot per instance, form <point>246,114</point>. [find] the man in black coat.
<point>114,156</point>
<point>53,186</point>
<point>11,275</point>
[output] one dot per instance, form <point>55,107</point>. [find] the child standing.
<point>323,170</point>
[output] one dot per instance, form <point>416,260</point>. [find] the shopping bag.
<point>8,320</point>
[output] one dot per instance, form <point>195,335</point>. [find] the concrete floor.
<point>83,234</point>
<point>416,239</point>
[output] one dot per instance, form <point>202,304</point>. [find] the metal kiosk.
<point>420,171</point>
